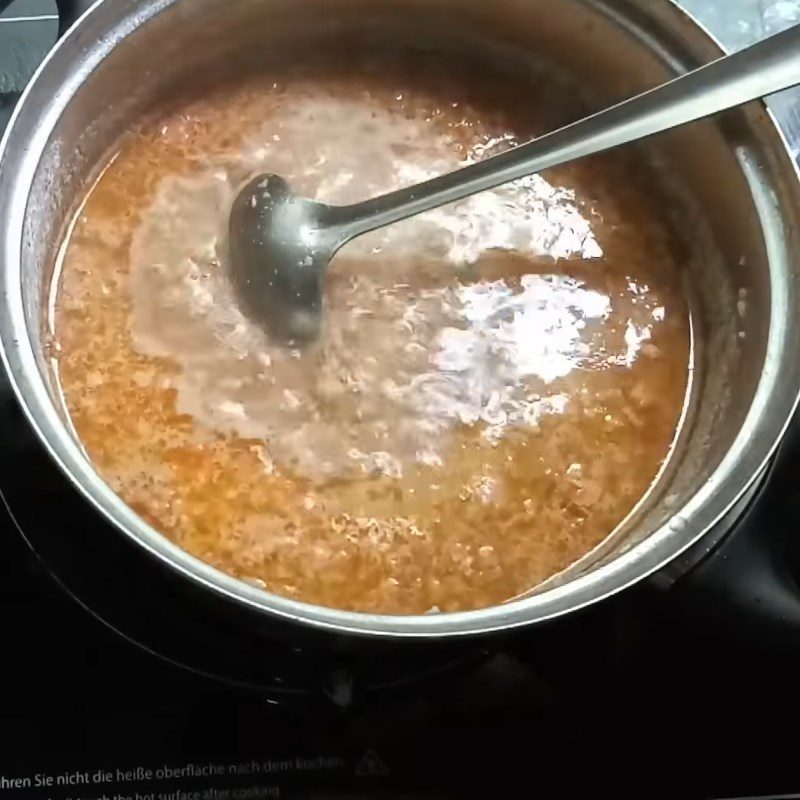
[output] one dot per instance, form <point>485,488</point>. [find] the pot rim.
<point>743,462</point>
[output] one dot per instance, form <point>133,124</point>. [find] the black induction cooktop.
<point>686,686</point>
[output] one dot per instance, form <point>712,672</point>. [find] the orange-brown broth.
<point>497,385</point>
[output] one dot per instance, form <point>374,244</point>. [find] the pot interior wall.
<point>168,49</point>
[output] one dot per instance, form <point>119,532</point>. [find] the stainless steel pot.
<point>743,258</point>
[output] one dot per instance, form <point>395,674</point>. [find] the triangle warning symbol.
<point>371,765</point>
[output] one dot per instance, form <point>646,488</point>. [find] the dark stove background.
<point>660,692</point>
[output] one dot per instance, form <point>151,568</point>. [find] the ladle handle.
<point>757,71</point>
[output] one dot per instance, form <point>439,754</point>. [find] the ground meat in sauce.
<point>497,385</point>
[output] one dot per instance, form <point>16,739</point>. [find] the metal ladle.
<point>281,244</point>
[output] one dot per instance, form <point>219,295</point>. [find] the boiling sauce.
<point>497,384</point>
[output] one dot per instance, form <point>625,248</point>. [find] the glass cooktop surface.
<point>657,693</point>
